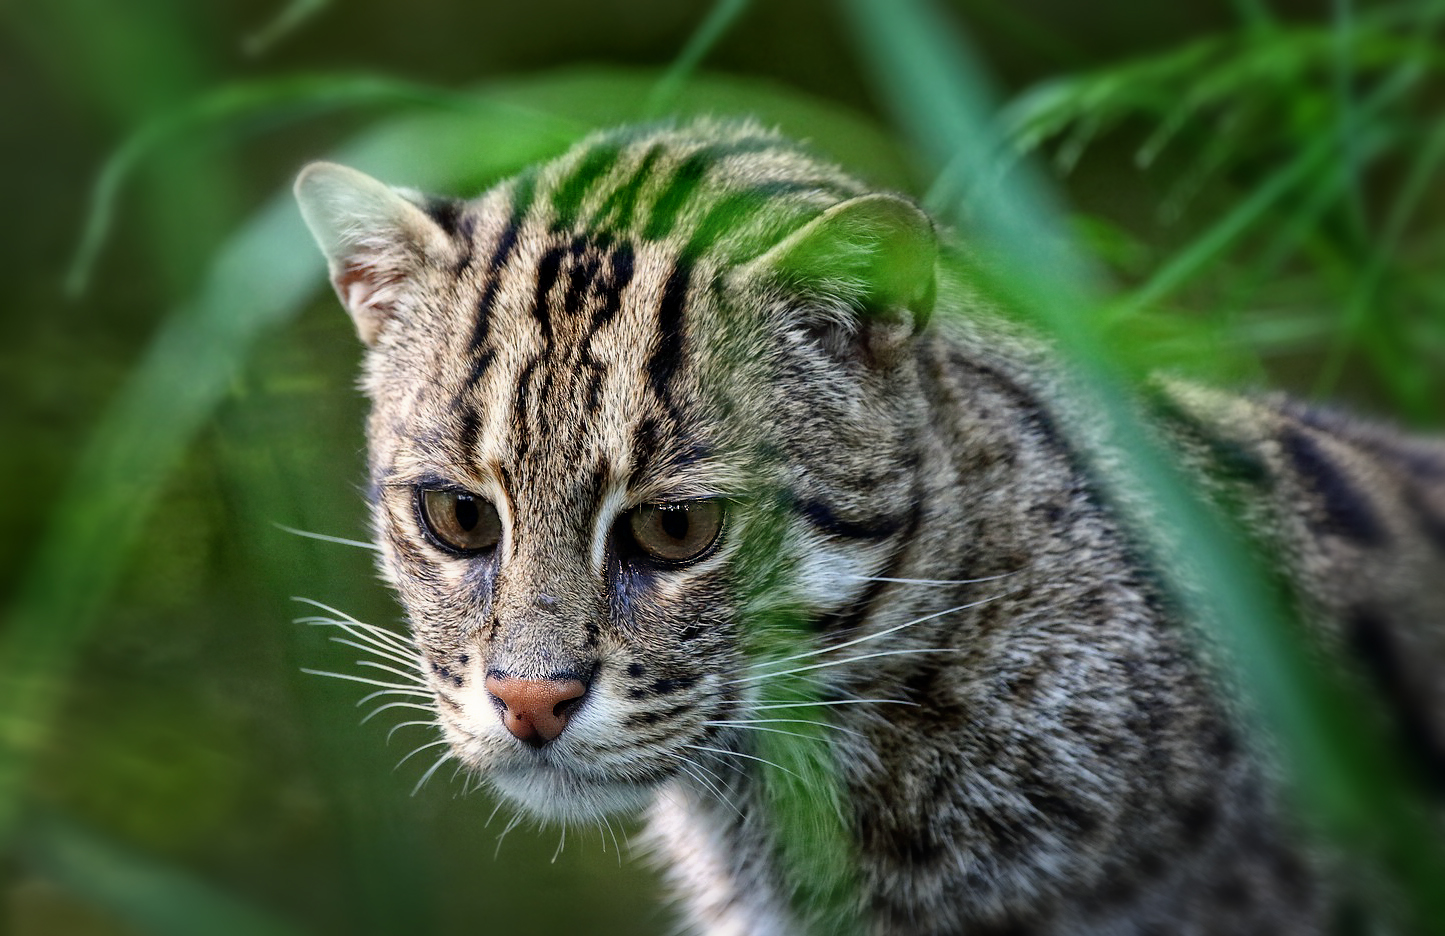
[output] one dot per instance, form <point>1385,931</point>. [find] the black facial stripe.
<point>469,431</point>
<point>644,444</point>
<point>677,193</point>
<point>663,687</point>
<point>667,352</point>
<point>548,267</point>
<point>648,719</point>
<point>446,212</point>
<point>521,432</point>
<point>729,214</point>
<point>446,673</point>
<point>480,364</point>
<point>521,204</point>
<point>688,177</point>
<point>1348,510</point>
<point>850,617</point>
<point>568,197</point>
<point>581,276</point>
<point>616,211</point>
<point>621,270</point>
<point>822,517</point>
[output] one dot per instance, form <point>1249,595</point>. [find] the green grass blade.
<point>291,18</point>
<point>289,99</point>
<point>1409,200</point>
<point>1345,775</point>
<point>144,894</point>
<point>265,274</point>
<point>719,20</point>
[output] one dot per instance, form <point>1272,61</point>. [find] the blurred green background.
<point>1254,182</point>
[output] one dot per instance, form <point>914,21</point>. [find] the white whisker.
<point>408,660</point>
<point>781,731</point>
<point>748,722</point>
<point>371,628</point>
<point>417,678</point>
<point>616,846</point>
<point>864,639</point>
<point>431,770</point>
<point>393,687</point>
<point>561,843</point>
<point>687,766</point>
<point>847,660</point>
<point>910,581</point>
<point>416,751</point>
<point>751,757</point>
<point>511,824</point>
<point>379,709</point>
<point>453,779</point>
<point>769,706</point>
<point>360,544</point>
<point>378,637</point>
<point>385,692</point>
<point>408,724</point>
<point>495,809</point>
<point>377,641</point>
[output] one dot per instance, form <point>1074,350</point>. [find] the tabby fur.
<point>672,315</point>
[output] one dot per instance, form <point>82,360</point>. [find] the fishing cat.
<point>685,386</point>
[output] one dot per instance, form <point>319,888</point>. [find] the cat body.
<point>637,403</point>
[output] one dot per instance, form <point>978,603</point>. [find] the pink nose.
<point>536,710</point>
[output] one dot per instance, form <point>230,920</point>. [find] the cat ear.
<point>874,254</point>
<point>373,237</point>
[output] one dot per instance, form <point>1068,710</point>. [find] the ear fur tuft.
<point>873,255</point>
<point>374,239</point>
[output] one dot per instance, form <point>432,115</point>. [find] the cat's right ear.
<point>375,240</point>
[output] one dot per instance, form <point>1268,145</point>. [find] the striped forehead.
<point>736,194</point>
<point>576,328</point>
<point>575,290</point>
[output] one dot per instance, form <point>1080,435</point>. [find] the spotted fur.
<point>673,315</point>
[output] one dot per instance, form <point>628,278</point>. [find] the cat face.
<point>607,447</point>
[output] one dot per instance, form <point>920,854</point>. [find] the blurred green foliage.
<point>1255,201</point>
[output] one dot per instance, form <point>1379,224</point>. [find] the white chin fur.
<point>554,795</point>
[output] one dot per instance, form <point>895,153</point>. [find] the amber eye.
<point>459,520</point>
<point>676,532</point>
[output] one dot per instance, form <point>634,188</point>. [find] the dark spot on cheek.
<point>635,670</point>
<point>677,684</point>
<point>665,686</point>
<point>446,673</point>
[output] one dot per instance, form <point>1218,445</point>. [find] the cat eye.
<point>459,521</point>
<point>675,533</point>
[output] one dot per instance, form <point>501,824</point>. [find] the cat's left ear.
<point>874,253</point>
<point>375,241</point>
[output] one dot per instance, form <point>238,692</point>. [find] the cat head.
<point>631,410</point>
